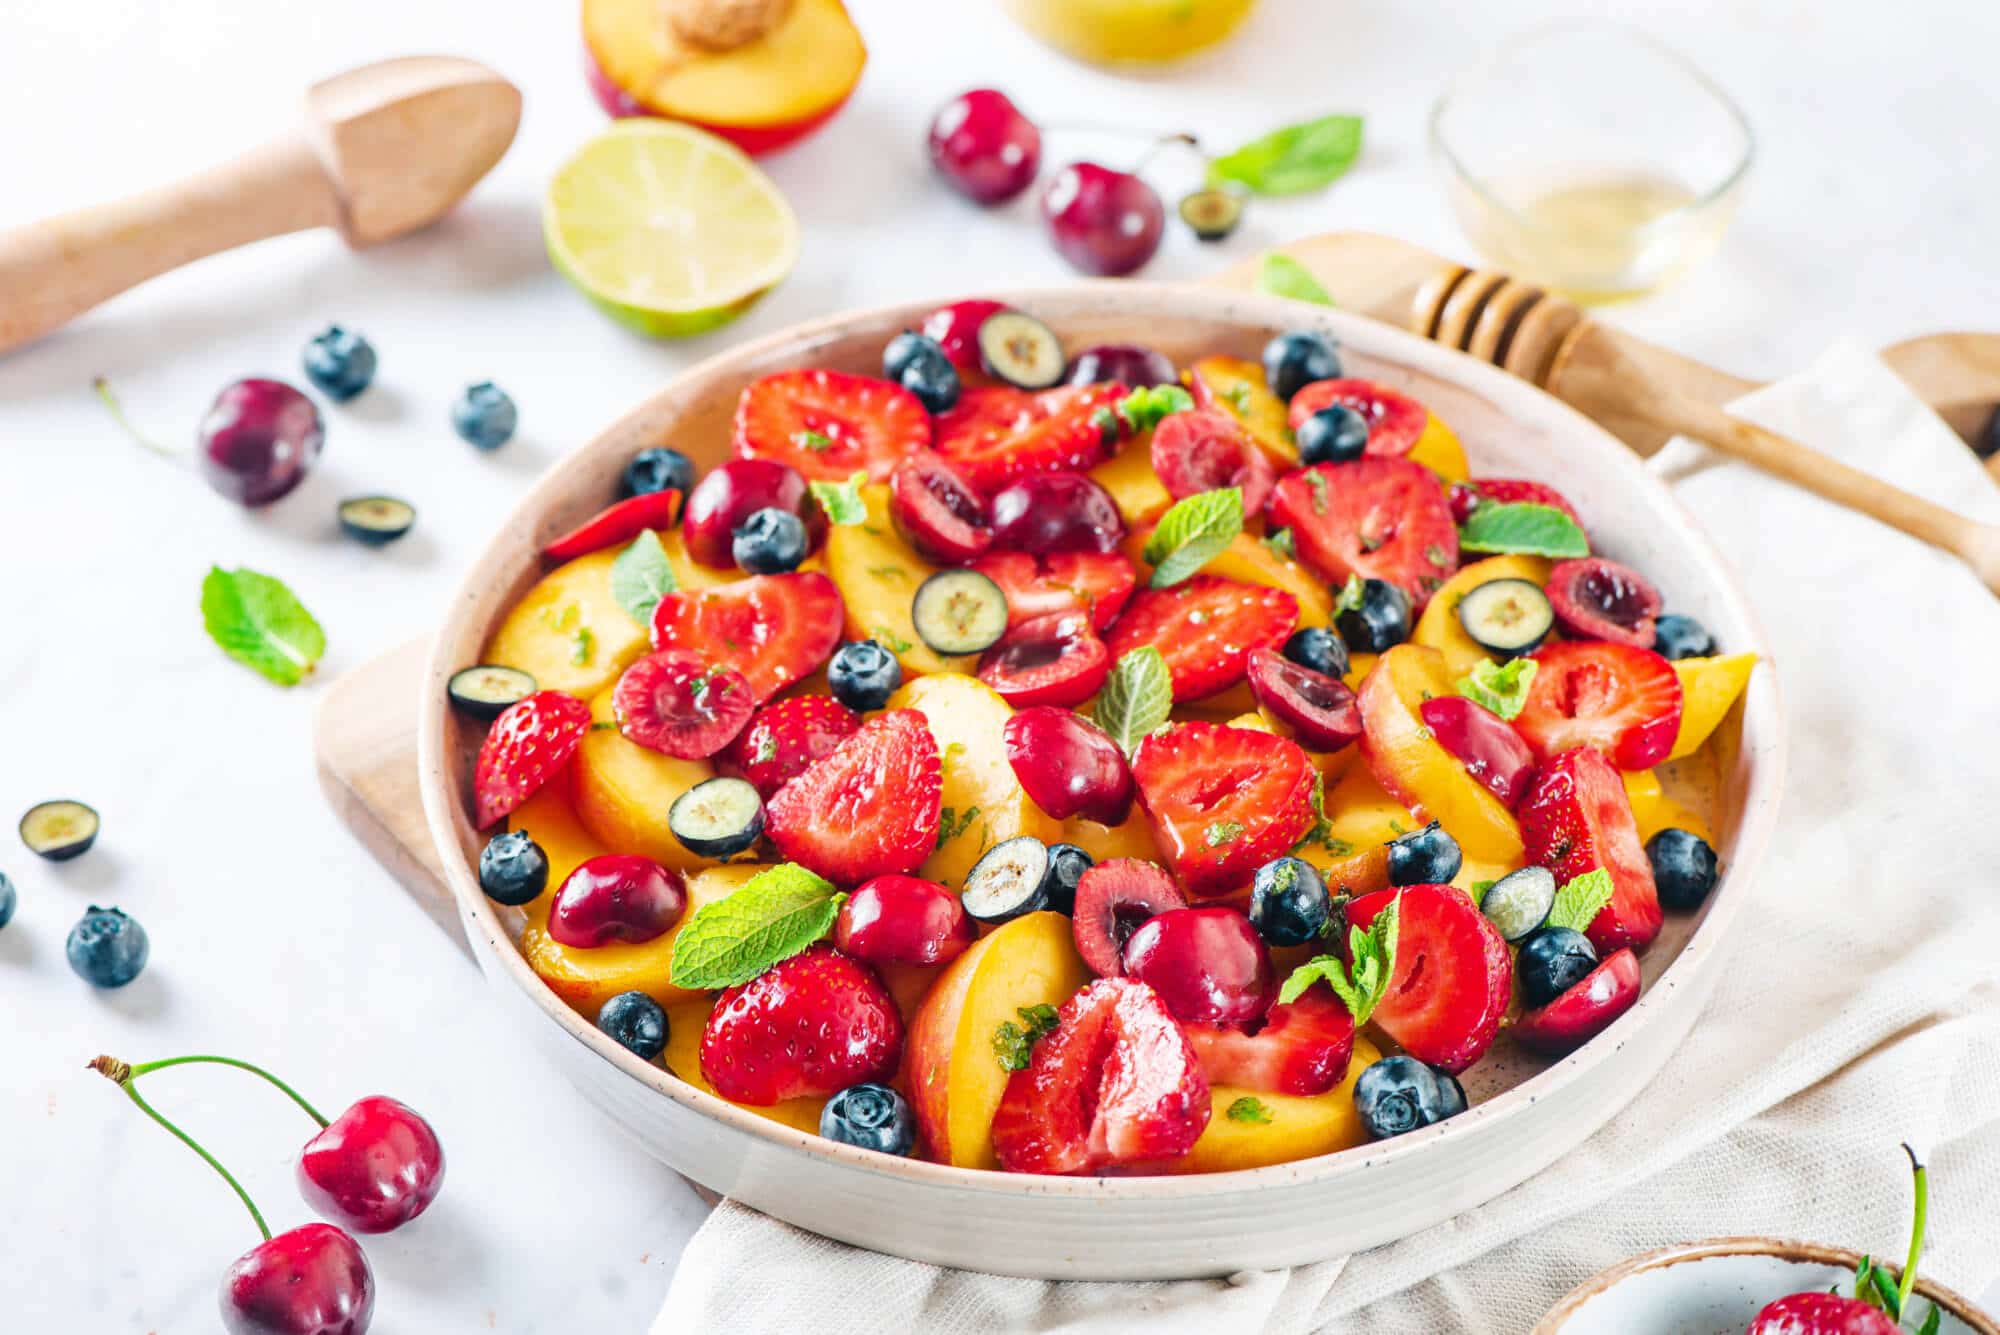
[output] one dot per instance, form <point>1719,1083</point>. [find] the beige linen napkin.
<point>1860,1004</point>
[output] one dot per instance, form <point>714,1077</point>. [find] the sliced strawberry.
<point>1377,518</point>
<point>774,629</point>
<point>1576,818</point>
<point>617,523</point>
<point>1222,801</point>
<point>1453,974</point>
<point>1206,628</point>
<point>1585,1010</point>
<point>1520,491</point>
<point>956,329</point>
<point>1817,1313</point>
<point>1100,583</point>
<point>1114,1083</point>
<point>1052,660</point>
<point>997,434</point>
<point>1302,1048</point>
<point>784,738</point>
<point>866,808</point>
<point>1204,450</point>
<point>1395,421</point>
<point>829,424</point>
<point>805,1028</point>
<point>1626,702</point>
<point>529,744</point>
<point>680,704</point>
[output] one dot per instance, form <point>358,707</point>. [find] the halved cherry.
<point>937,511</point>
<point>679,703</point>
<point>1319,708</point>
<point>1585,1010</point>
<point>1098,583</point>
<point>1068,766</point>
<point>1056,512</point>
<point>1203,450</point>
<point>1052,660</point>
<point>1205,628</point>
<point>774,629</point>
<point>1377,518</point>
<point>829,424</point>
<point>1395,421</point>
<point>956,329</point>
<point>1599,599</point>
<point>1489,748</point>
<point>1112,899</point>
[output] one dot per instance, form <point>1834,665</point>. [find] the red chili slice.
<point>618,523</point>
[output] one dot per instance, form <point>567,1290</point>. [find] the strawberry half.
<point>1585,1010</point>
<point>868,807</point>
<point>1576,818</point>
<point>828,424</point>
<point>998,434</point>
<point>784,738</point>
<point>529,744</point>
<point>1302,1048</point>
<point>1222,801</point>
<point>805,1028</point>
<point>1377,518</point>
<point>1395,421</point>
<point>1206,628</point>
<point>1114,1083</point>
<point>1821,1314</point>
<point>1453,975</point>
<point>679,704</point>
<point>774,629</point>
<point>1099,583</point>
<point>1624,701</point>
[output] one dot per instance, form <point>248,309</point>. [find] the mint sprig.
<point>1014,1044</point>
<point>1248,1109</point>
<point>1348,597</point>
<point>774,915</point>
<point>1194,532</point>
<point>261,624</point>
<point>1500,687</point>
<point>1362,984</point>
<point>1293,158</point>
<point>1523,527</point>
<point>641,576</point>
<point>1283,276</point>
<point>1580,901</point>
<point>1142,409</point>
<point>842,500</point>
<point>1137,698</point>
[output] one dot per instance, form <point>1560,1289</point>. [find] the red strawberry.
<point>807,1027</point>
<point>678,703</point>
<point>1453,975</point>
<point>998,434</point>
<point>1100,583</point>
<point>1626,702</point>
<point>1576,818</point>
<point>1377,518</point>
<point>1206,628</point>
<point>1114,1083</point>
<point>1395,421</point>
<point>774,629</point>
<point>1520,491</point>
<point>1222,801</point>
<point>784,738</point>
<point>1585,1010</point>
<point>529,744</point>
<point>1303,1047</point>
<point>1821,1314</point>
<point>1205,449</point>
<point>617,523</point>
<point>829,424</point>
<point>868,807</point>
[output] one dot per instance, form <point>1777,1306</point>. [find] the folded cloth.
<point>1860,1005</point>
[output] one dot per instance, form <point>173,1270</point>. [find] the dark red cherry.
<point>1102,221</point>
<point>937,511</point>
<point>312,1280</point>
<point>258,441</point>
<point>1049,660</point>
<point>616,897</point>
<point>1046,513</point>
<point>897,919</point>
<point>1209,965</point>
<point>733,491</point>
<point>1068,765</point>
<point>984,146</point>
<point>1123,364</point>
<point>1320,709</point>
<point>1486,744</point>
<point>955,328</point>
<point>374,1168</point>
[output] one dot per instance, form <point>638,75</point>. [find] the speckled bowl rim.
<point>445,802</point>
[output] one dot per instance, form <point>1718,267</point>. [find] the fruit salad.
<point>1057,760</point>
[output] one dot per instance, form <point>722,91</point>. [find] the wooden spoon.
<point>383,150</point>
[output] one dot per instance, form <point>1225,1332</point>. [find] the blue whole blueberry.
<point>863,675</point>
<point>919,365</point>
<point>1319,649</point>
<point>339,362</point>
<point>8,900</point>
<point>1067,864</point>
<point>1381,622</point>
<point>1294,360</point>
<point>771,541</point>
<point>1677,636</point>
<point>1451,1094</point>
<point>1397,1094</point>
<point>513,869</point>
<point>1683,868</point>
<point>657,469</point>
<point>636,1023</point>
<point>106,948</point>
<point>1428,856</point>
<point>1336,434</point>
<point>1551,961</point>
<point>1289,905</point>
<point>875,1117</point>
<point>484,416</point>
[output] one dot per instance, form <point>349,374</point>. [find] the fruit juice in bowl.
<point>1143,32</point>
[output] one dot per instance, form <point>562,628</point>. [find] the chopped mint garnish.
<point>842,500</point>
<point>1014,1043</point>
<point>1248,1109</point>
<point>1502,688</point>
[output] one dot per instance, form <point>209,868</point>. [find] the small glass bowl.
<point>1589,158</point>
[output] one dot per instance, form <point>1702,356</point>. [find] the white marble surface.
<point>274,937</point>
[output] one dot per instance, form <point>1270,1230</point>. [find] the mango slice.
<point>1709,686</point>
<point>878,574</point>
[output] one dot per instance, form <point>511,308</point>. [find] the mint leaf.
<point>1142,409</point>
<point>1347,598</point>
<point>1222,833</point>
<point>1193,533</point>
<point>1281,542</point>
<point>1248,1109</point>
<point>1502,688</point>
<point>1581,900</point>
<point>816,441</point>
<point>842,500</point>
<point>260,623</point>
<point>1360,985</point>
<point>1294,158</point>
<point>776,914</point>
<point>1478,891</point>
<point>1013,1044</point>
<point>1283,276</point>
<point>1523,526</point>
<point>641,576</point>
<point>1136,699</point>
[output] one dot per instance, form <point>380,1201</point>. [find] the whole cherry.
<point>982,144</point>
<point>616,897</point>
<point>1103,221</point>
<point>1056,512</point>
<point>1068,766</point>
<point>1208,964</point>
<point>730,493</point>
<point>374,1168</point>
<point>258,440</point>
<point>312,1280</point>
<point>897,919</point>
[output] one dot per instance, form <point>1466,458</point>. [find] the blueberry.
<point>1683,868</point>
<point>484,416</point>
<point>340,363</point>
<point>106,948</point>
<point>1067,864</point>
<point>1676,636</point>
<point>1552,961</point>
<point>1289,905</point>
<point>919,365</point>
<point>8,899</point>
<point>1428,856</point>
<point>875,1117</point>
<point>513,869</point>
<point>1336,434</point>
<point>1293,361</point>
<point>1398,1094</point>
<point>1381,622</point>
<point>1451,1094</point>
<point>658,469</point>
<point>636,1022</point>
<point>1520,901</point>
<point>1319,649</point>
<point>771,541</point>
<point>862,675</point>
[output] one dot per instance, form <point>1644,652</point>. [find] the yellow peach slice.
<point>1280,1128</point>
<point>685,1022</point>
<point>1409,764</point>
<point>623,791</point>
<point>1439,627</point>
<point>1437,449</point>
<point>878,574</point>
<point>1238,387</point>
<point>691,575</point>
<point>1135,488</point>
<point>1250,561</point>
<point>1709,686</point>
<point>1133,839</point>
<point>568,632</point>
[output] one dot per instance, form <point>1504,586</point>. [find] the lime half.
<point>667,228</point>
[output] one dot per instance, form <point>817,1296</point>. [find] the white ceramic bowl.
<point>1526,1113</point>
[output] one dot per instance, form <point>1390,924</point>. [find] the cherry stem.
<point>1909,1281</point>
<point>122,1075</point>
<point>110,401</point>
<point>296,1097</point>
<point>1180,139</point>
